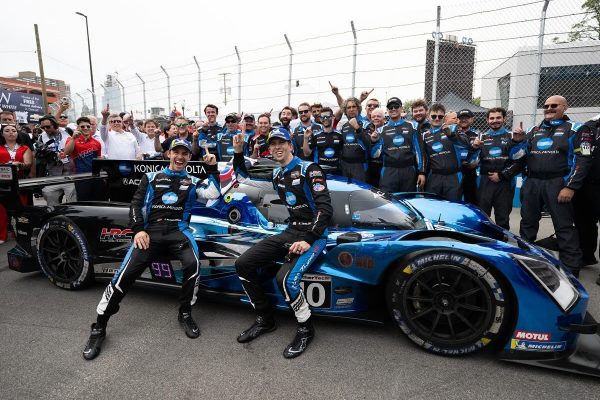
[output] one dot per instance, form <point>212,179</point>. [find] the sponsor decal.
<point>290,198</point>
<point>312,174</point>
<point>544,144</point>
<point>116,235</point>
<point>22,233</point>
<point>437,147</point>
<point>530,345</point>
<point>109,270</point>
<point>329,152</point>
<point>364,262</point>
<point>185,181</point>
<point>228,197</point>
<point>343,290</point>
<point>23,220</point>
<point>344,302</point>
<point>295,174</point>
<point>230,150</point>
<point>495,152</point>
<point>355,216</point>
<point>169,198</point>
<point>345,259</point>
<point>464,153</point>
<point>295,182</point>
<point>540,337</point>
<point>131,182</point>
<point>125,168</point>
<point>184,187</point>
<point>163,186</point>
<point>6,173</point>
<point>349,138</point>
<point>398,140</point>
<point>317,187</point>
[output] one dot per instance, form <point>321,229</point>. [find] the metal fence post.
<point>290,73</point>
<point>168,89</point>
<point>239,80</point>
<point>144,92</point>
<point>199,88</point>
<point>436,55</point>
<point>538,72</point>
<point>123,94</point>
<point>354,59</point>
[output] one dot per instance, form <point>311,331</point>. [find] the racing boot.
<point>304,334</point>
<point>189,325</point>
<point>94,343</point>
<point>260,326</point>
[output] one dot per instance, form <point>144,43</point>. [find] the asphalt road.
<point>146,355</point>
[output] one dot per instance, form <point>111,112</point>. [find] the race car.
<point>452,281</point>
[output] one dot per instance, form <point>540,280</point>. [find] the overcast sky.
<point>139,36</point>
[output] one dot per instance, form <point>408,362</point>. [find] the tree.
<point>589,26</point>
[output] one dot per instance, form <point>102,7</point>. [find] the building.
<point>571,70</point>
<point>456,69</point>
<point>29,82</point>
<point>112,94</point>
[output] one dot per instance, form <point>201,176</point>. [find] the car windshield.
<point>375,209</point>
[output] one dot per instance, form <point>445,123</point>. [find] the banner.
<point>27,107</point>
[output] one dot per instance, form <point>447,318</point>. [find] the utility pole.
<point>199,88</point>
<point>41,64</point>
<point>168,88</point>
<point>225,85</point>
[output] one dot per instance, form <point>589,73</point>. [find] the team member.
<point>377,118</point>
<point>324,146</point>
<point>257,144</point>
<point>182,133</point>
<point>469,170</point>
<point>306,126</point>
<point>83,148</point>
<point>285,117</point>
<point>315,110</point>
<point>419,115</point>
<point>354,154</point>
<point>557,153</point>
<point>159,216</point>
<point>443,146</point>
<point>496,186</point>
<point>225,138</point>
<point>303,188</point>
<point>208,132</point>
<point>400,146</point>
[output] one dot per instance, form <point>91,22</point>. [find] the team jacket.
<point>556,148</point>
<point>594,173</point>
<point>355,148</point>
<point>327,148</point>
<point>298,139</point>
<point>494,152</point>
<point>302,187</point>
<point>167,197</point>
<point>400,145</point>
<point>209,137</point>
<point>225,145</point>
<point>261,140</point>
<point>443,151</point>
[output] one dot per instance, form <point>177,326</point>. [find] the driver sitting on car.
<point>159,216</point>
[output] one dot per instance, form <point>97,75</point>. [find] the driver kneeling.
<point>159,216</point>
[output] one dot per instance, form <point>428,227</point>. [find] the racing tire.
<point>448,303</point>
<point>63,254</point>
<point>234,215</point>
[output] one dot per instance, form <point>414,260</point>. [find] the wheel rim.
<point>61,255</point>
<point>447,304</point>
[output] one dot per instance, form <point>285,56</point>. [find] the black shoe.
<point>189,325</point>
<point>598,280</point>
<point>94,343</point>
<point>575,272</point>
<point>260,326</point>
<point>304,334</point>
<point>589,261</point>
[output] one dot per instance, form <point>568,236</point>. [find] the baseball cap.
<point>393,100</point>
<point>279,133</point>
<point>249,116</point>
<point>231,116</point>
<point>465,112</point>
<point>181,143</point>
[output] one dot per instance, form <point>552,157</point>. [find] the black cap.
<point>394,100</point>
<point>465,112</point>
<point>231,116</point>
<point>249,116</point>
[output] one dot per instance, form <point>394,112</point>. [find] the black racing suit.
<point>587,201</point>
<point>354,153</point>
<point>469,171</point>
<point>443,149</point>
<point>493,158</point>
<point>400,146</point>
<point>225,145</point>
<point>298,139</point>
<point>208,137</point>
<point>327,149</point>
<point>161,206</point>
<point>553,159</point>
<point>302,186</point>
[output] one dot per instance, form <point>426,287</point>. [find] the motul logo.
<point>540,337</point>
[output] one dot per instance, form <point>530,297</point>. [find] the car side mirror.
<point>349,237</point>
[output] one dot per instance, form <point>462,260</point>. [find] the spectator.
<point>419,115</point>
<point>556,166</point>
<point>377,118</point>
<point>54,161</point>
<point>306,125</point>
<point>83,148</point>
<point>354,154</point>
<point>465,118</point>
<point>120,144</point>
<point>295,122</point>
<point>9,117</point>
<point>400,146</point>
<point>443,146</point>
<point>146,139</point>
<point>257,145</point>
<point>167,132</point>
<point>372,104</point>
<point>324,146</point>
<point>96,134</point>
<point>61,117</point>
<point>182,133</point>
<point>285,117</point>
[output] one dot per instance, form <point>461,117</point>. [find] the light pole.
<point>87,30</point>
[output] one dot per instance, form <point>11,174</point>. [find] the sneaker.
<point>304,334</point>
<point>260,326</point>
<point>94,343</point>
<point>189,325</point>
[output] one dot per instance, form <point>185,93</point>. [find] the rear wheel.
<point>63,254</point>
<point>448,303</point>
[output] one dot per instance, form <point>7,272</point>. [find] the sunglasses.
<point>372,105</point>
<point>326,116</point>
<point>436,116</point>
<point>552,106</point>
<point>231,121</point>
<point>115,121</point>
<point>63,117</point>
<point>45,126</point>
<point>394,107</point>
<point>85,126</point>
<point>303,111</point>
<point>181,125</point>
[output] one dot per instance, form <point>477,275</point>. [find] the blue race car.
<point>452,280</point>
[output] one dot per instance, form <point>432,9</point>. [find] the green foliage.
<point>589,26</point>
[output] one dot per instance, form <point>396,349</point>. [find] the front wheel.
<point>448,303</point>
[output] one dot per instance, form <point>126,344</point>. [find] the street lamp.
<point>87,30</point>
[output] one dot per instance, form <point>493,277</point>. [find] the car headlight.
<point>552,279</point>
